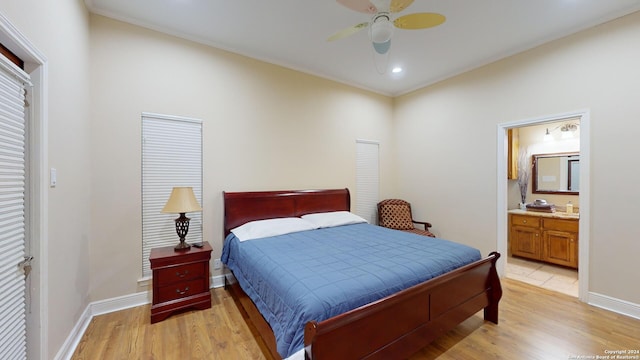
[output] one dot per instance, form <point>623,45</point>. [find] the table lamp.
<point>181,201</point>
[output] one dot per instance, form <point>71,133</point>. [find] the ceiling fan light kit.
<point>381,26</point>
<point>382,48</point>
<point>381,29</point>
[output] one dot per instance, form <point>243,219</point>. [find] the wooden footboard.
<point>399,325</point>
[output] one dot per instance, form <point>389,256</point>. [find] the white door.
<point>367,179</point>
<point>12,211</point>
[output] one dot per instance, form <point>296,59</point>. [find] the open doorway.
<point>543,205</point>
<point>507,192</point>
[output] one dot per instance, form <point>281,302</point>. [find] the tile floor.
<point>548,276</point>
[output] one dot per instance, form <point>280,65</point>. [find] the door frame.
<point>37,68</point>
<point>584,196</point>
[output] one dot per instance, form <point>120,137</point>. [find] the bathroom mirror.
<point>557,173</point>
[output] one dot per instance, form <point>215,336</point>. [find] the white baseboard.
<point>72,341</point>
<point>120,303</point>
<point>616,305</point>
<point>108,306</point>
<point>217,281</point>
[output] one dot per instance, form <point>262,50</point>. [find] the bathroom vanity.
<point>548,237</point>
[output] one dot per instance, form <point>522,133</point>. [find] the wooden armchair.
<point>396,214</point>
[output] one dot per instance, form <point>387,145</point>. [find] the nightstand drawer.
<point>181,290</point>
<point>529,221</point>
<point>180,273</point>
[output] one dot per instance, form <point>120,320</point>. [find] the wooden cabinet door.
<point>525,242</point>
<point>560,247</point>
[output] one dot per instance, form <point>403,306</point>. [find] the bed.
<point>392,326</point>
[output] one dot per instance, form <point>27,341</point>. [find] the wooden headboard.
<point>242,207</point>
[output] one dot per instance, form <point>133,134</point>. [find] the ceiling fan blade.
<point>381,5</point>
<point>348,31</point>
<point>363,6</point>
<point>399,5</point>
<point>419,21</point>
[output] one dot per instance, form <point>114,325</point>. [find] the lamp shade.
<point>182,200</point>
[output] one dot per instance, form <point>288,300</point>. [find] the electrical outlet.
<point>217,264</point>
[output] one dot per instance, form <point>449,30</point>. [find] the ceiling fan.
<point>381,24</point>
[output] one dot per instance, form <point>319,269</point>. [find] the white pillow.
<point>271,227</point>
<point>334,218</point>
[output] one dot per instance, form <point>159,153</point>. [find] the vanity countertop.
<point>557,214</point>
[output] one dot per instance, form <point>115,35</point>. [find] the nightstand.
<point>180,280</point>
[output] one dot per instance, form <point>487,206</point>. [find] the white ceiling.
<point>293,33</point>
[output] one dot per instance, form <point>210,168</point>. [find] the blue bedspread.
<point>317,274</point>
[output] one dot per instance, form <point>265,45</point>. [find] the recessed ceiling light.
<point>396,70</point>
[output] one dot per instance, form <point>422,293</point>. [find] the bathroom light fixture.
<point>567,130</point>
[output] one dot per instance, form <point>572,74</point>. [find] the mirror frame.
<point>534,175</point>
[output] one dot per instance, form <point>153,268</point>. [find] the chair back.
<point>395,214</point>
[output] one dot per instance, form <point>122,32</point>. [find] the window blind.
<point>12,211</point>
<point>171,156</point>
<point>367,179</point>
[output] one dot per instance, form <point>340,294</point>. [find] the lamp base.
<point>182,228</point>
<point>182,246</point>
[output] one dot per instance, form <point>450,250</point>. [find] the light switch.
<point>53,177</point>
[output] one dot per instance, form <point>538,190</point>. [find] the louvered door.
<point>12,212</point>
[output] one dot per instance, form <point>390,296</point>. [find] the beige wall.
<point>60,31</point>
<point>265,127</point>
<point>446,142</point>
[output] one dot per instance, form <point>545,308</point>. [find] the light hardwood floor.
<point>534,324</point>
